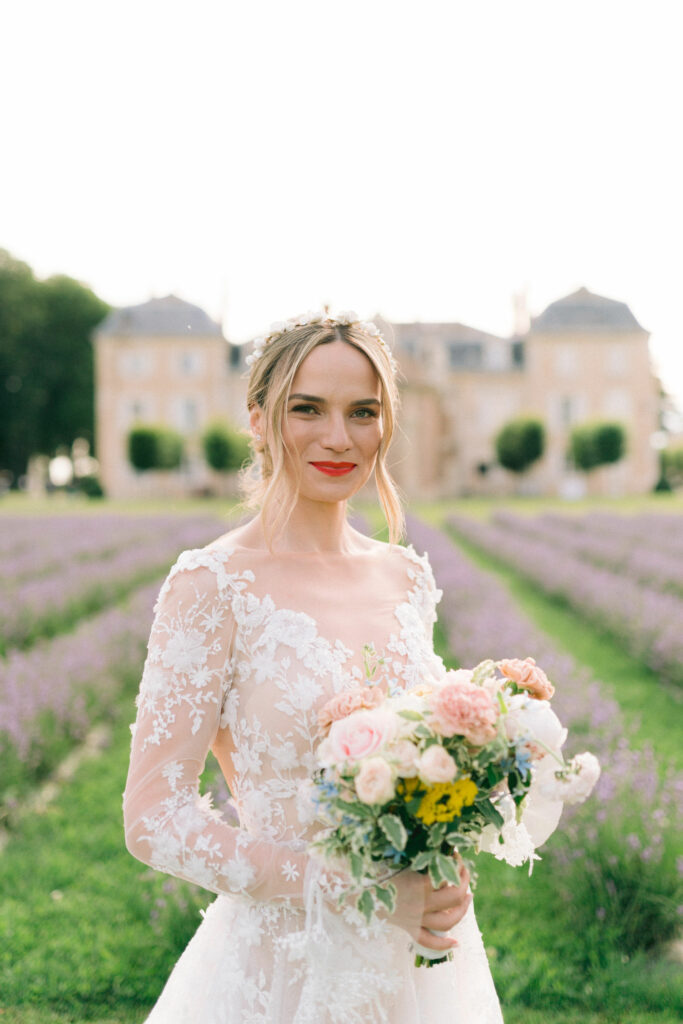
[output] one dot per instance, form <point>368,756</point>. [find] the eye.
<point>304,408</point>
<point>365,413</point>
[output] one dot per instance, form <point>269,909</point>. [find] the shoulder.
<point>214,569</point>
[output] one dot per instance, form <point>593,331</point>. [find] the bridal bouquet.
<point>430,777</point>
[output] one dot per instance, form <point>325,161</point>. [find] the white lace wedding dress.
<point>245,647</point>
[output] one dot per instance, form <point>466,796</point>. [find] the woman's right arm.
<point>168,825</point>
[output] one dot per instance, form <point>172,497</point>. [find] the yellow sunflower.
<point>445,800</point>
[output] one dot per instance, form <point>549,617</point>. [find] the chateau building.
<point>584,358</point>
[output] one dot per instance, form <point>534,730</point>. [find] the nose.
<point>337,435</point>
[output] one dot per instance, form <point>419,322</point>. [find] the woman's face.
<point>333,422</point>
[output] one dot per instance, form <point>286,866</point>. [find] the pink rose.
<point>374,782</point>
<point>436,765</point>
<point>343,704</point>
<point>461,708</point>
<point>528,676</point>
<point>357,736</point>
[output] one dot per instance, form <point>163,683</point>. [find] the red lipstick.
<point>334,468</point>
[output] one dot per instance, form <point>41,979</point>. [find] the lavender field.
<point>76,602</point>
<point>620,575</point>
<point>586,939</point>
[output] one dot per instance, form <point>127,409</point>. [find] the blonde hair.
<point>264,481</point>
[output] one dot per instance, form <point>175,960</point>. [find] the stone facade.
<point>585,357</point>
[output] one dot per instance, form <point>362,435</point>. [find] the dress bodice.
<point>245,648</point>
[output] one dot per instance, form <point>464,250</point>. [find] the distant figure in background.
<point>252,635</point>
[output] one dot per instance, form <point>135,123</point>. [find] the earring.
<point>258,437</point>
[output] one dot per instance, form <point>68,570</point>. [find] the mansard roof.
<point>584,310</point>
<point>167,317</point>
<point>442,331</point>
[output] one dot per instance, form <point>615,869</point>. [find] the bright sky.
<point>424,160</point>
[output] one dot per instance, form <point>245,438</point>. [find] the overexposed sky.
<point>421,160</point>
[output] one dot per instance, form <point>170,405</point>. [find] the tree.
<point>520,443</point>
<point>46,363</point>
<point>597,444</point>
<point>154,447</point>
<point>224,447</point>
<point>671,468</point>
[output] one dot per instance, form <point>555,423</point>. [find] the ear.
<point>256,421</point>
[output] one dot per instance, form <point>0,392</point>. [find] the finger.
<point>443,899</point>
<point>439,942</point>
<point>443,920</point>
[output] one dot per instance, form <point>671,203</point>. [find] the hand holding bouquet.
<point>428,778</point>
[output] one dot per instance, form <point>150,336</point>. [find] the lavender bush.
<point>633,556</point>
<point>48,604</point>
<point>646,621</point>
<point>613,858</point>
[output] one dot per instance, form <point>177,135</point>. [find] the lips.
<point>334,468</point>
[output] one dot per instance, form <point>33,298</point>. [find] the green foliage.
<point>90,486</point>
<point>224,447</point>
<point>46,363</point>
<point>520,443</point>
<point>154,447</point>
<point>597,444</point>
<point>671,467</point>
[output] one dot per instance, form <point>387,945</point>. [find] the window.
<point>135,364</point>
<point>617,360</point>
<point>465,355</point>
<point>190,363</point>
<point>566,361</point>
<point>186,414</point>
<point>570,409</point>
<point>617,404</point>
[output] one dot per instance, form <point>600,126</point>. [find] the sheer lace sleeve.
<point>186,678</point>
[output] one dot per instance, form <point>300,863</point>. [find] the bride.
<point>251,636</point>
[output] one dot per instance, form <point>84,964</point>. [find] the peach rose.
<point>528,676</point>
<point>374,782</point>
<point>358,736</point>
<point>460,708</point>
<point>343,704</point>
<point>436,765</point>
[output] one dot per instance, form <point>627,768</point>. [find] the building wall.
<point>172,381</point>
<point>578,377</point>
<point>452,406</point>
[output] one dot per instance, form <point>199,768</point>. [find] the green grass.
<point>75,931</point>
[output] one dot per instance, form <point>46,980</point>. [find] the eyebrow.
<point>322,401</point>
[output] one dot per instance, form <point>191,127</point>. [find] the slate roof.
<point>585,310</point>
<point>167,317</point>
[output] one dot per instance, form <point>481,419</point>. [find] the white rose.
<point>436,765</point>
<point>405,755</point>
<point>374,782</point>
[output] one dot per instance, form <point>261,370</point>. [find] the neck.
<point>315,526</point>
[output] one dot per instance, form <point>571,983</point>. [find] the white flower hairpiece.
<point>344,319</point>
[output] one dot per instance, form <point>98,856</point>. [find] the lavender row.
<point>614,859</point>
<point>656,532</point>
<point>651,566</point>
<point>646,621</point>
<point>57,542</point>
<point>55,691</point>
<point>48,605</point>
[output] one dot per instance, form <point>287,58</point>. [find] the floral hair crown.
<point>326,319</point>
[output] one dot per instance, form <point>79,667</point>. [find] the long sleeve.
<point>186,678</point>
